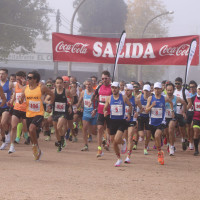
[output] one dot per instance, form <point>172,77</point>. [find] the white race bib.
<point>116,110</point>
<point>102,99</point>
<point>126,111</point>
<point>60,107</point>
<point>18,96</point>
<point>197,106</point>
<point>156,113</point>
<point>34,106</point>
<point>87,103</point>
<point>168,113</point>
<point>144,107</point>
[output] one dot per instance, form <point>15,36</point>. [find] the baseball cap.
<point>157,85</point>
<point>198,86</point>
<point>115,84</point>
<point>147,87</point>
<point>129,86</point>
<point>65,78</point>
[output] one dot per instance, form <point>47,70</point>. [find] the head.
<point>33,77</point>
<point>170,89</point>
<point>198,89</point>
<point>94,80</point>
<point>136,87</point>
<point>178,83</point>
<point>128,90</point>
<point>3,74</point>
<point>121,85</point>
<point>193,87</point>
<point>105,77</point>
<point>132,82</point>
<point>163,84</point>
<point>21,77</point>
<point>72,79</point>
<point>12,78</point>
<point>141,84</point>
<point>157,88</point>
<point>115,88</point>
<point>59,83</point>
<point>49,84</point>
<point>74,85</point>
<point>88,84</point>
<point>147,89</point>
<point>66,81</point>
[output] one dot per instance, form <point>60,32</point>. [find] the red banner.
<point>148,51</point>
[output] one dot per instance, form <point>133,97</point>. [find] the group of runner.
<point>116,112</point>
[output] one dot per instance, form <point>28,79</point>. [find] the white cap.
<point>198,86</point>
<point>157,85</point>
<point>129,86</point>
<point>115,84</point>
<point>147,87</point>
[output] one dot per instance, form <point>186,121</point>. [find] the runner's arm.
<point>126,100</point>
<point>80,98</point>
<point>107,103</point>
<point>2,95</point>
<point>69,95</point>
<point>149,106</point>
<point>47,91</point>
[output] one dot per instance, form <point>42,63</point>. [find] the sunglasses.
<point>49,85</point>
<point>192,86</point>
<point>104,78</point>
<point>177,83</point>
<point>136,86</point>
<point>29,77</point>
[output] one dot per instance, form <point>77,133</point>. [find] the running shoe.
<point>161,157</point>
<point>128,160</point>
<point>17,139</point>
<point>99,153</point>
<point>196,153</point>
<point>36,152</point>
<point>48,138</point>
<point>63,142</point>
<point>171,151</point>
<point>184,146</point>
<point>3,146</point>
<point>118,163</point>
<point>90,138</point>
<point>12,149</point>
<point>134,147</point>
<point>59,149</point>
<point>124,147</point>
<point>191,146</point>
<point>85,148</point>
<point>103,142</point>
<point>145,152</point>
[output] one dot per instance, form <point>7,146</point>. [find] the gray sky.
<point>186,16</point>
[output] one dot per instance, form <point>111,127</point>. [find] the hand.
<point>93,113</point>
<point>49,109</point>
<point>105,113</point>
<point>70,110</point>
<point>153,103</point>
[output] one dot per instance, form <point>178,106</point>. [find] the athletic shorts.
<point>19,114</point>
<point>37,121</point>
<point>2,110</point>
<point>168,121</point>
<point>55,117</point>
<point>101,120</point>
<point>196,123</point>
<point>69,116</point>
<point>154,128</point>
<point>130,124</point>
<point>189,117</point>
<point>92,120</point>
<point>143,123</point>
<point>180,119</point>
<point>117,124</point>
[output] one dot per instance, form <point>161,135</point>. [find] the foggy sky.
<point>186,16</point>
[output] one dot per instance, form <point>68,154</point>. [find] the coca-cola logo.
<point>174,51</point>
<point>78,48</point>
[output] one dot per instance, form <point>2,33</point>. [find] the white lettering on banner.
<point>174,51</point>
<point>116,110</point>
<point>108,51</point>
<point>60,107</point>
<point>156,113</point>
<point>149,51</point>
<point>87,103</point>
<point>197,106</point>
<point>34,106</point>
<point>75,48</point>
<point>97,49</point>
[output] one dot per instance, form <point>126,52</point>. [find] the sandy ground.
<point>75,175</point>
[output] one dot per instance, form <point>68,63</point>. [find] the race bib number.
<point>18,96</point>
<point>126,111</point>
<point>156,112</point>
<point>5,96</point>
<point>102,99</point>
<point>179,108</point>
<point>144,107</point>
<point>34,106</point>
<point>116,110</point>
<point>60,107</point>
<point>197,106</point>
<point>168,113</point>
<point>87,103</point>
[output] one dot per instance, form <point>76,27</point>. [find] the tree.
<point>140,12</point>
<point>21,22</point>
<point>102,16</point>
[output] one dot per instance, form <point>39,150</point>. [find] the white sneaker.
<point>171,150</point>
<point>128,160</point>
<point>191,146</point>
<point>3,146</point>
<point>7,138</point>
<point>124,148</point>
<point>118,163</point>
<point>12,149</point>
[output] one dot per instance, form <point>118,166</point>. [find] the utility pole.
<point>58,21</point>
